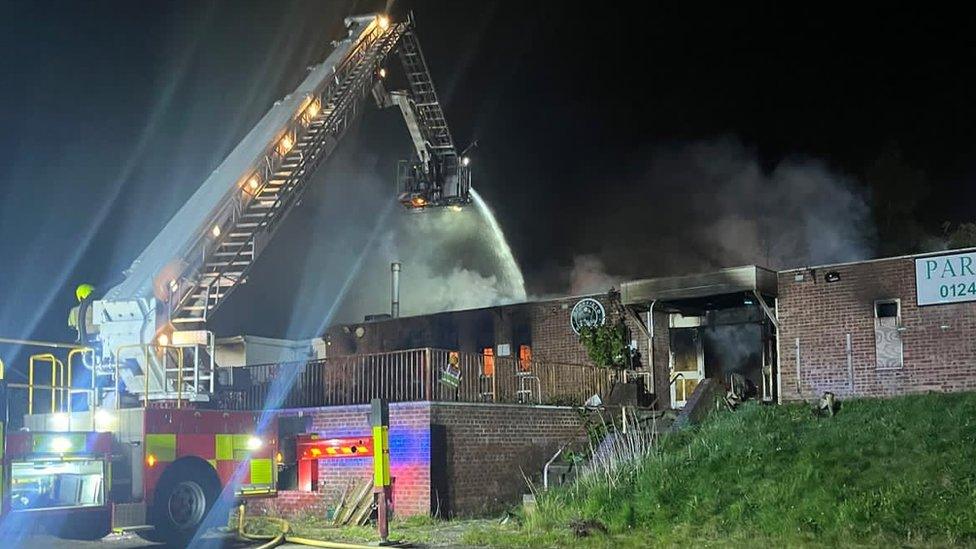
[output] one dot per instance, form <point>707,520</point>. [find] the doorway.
<point>687,359</point>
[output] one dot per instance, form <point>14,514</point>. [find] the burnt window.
<point>887,308</point>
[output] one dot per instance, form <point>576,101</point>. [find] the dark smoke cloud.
<point>711,204</point>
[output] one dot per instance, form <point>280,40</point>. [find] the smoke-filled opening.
<point>733,349</point>
<point>728,339</point>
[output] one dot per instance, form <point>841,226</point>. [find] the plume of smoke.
<point>711,204</point>
<point>449,262</point>
<point>589,276</point>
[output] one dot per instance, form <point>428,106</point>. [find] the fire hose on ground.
<point>284,536</point>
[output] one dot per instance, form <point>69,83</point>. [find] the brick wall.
<point>447,458</point>
<point>939,341</point>
<point>409,457</point>
<point>553,338</point>
<point>544,325</point>
<point>490,447</point>
<point>662,357</point>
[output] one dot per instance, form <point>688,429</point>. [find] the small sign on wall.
<point>947,278</point>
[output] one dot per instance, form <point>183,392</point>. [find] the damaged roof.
<point>733,280</point>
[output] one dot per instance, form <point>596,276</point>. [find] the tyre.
<point>185,494</point>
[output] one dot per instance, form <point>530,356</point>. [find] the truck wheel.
<point>185,494</point>
<point>92,527</point>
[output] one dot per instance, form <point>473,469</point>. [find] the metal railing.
<point>59,390</point>
<point>410,375</point>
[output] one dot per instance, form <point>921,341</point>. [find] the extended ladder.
<point>306,145</point>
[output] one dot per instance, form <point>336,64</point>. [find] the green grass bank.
<point>900,471</point>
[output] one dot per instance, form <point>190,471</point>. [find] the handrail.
<point>146,347</point>
<point>412,375</point>
<point>415,350</point>
<point>61,384</point>
<point>56,365</point>
<point>93,396</point>
<point>545,470</point>
<point>38,343</point>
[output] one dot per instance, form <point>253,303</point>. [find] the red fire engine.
<point>141,442</point>
<point>107,461</point>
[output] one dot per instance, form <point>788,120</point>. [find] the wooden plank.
<point>365,510</point>
<point>352,505</point>
<point>346,490</point>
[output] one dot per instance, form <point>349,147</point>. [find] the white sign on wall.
<point>945,279</point>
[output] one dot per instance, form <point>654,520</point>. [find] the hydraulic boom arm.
<point>208,247</point>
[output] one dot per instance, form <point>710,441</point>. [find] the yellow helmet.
<point>83,291</point>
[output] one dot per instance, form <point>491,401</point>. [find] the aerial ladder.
<point>207,249</point>
<point>147,450</point>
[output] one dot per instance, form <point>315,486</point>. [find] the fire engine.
<point>126,431</point>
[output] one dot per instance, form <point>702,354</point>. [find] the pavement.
<point>122,541</point>
<point>114,541</point>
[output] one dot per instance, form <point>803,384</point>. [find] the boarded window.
<point>887,334</point>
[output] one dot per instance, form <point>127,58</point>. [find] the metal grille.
<point>411,375</point>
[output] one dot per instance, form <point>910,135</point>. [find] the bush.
<point>607,345</point>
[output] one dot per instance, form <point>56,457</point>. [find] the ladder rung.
<point>232,254</point>
<point>211,296</point>
<point>227,264</point>
<point>187,320</point>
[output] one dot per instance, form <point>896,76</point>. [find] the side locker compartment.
<point>128,503</point>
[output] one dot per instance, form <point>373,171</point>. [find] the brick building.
<point>853,329</point>
<point>858,328</point>
<point>870,328</point>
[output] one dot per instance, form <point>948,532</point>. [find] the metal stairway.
<point>266,199</point>
<point>178,373</point>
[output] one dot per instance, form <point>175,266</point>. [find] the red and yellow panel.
<point>223,439</point>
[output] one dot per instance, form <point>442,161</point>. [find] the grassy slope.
<point>899,471</point>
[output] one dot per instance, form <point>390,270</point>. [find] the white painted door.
<point>687,364</point>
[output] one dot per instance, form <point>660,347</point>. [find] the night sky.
<point>114,112</point>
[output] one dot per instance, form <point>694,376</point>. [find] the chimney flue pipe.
<point>395,289</point>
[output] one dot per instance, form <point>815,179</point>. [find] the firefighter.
<point>80,316</point>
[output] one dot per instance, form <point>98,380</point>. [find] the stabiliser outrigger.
<point>127,433</point>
